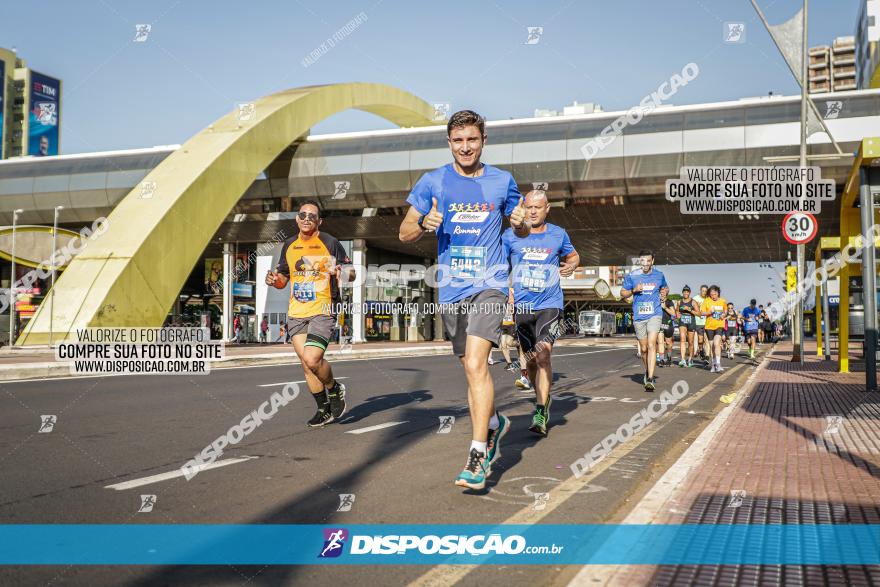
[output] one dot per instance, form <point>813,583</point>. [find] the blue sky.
<point>201,57</point>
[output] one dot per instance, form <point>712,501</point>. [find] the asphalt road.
<point>111,430</point>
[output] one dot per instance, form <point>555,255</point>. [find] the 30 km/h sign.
<point>799,228</point>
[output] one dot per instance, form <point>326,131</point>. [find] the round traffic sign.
<point>799,228</point>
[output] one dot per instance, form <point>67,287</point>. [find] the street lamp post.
<point>52,286</point>
<point>12,288</point>
<point>798,328</point>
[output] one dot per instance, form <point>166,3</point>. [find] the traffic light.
<point>790,278</point>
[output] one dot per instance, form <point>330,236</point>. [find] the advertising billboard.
<point>44,116</point>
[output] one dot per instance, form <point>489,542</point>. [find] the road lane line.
<point>376,427</point>
<point>555,356</point>
<point>173,474</point>
<point>286,382</point>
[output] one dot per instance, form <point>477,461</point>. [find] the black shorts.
<point>668,330</point>
<point>710,334</point>
<point>538,326</point>
<point>752,333</point>
<point>689,325</point>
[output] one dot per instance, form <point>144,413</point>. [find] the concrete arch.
<point>131,274</point>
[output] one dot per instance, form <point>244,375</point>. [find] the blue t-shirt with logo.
<point>534,262</point>
<point>750,317</point>
<point>469,240</point>
<point>646,303</point>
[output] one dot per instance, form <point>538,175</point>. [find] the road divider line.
<point>376,427</point>
<point>555,356</point>
<point>173,474</point>
<point>287,382</point>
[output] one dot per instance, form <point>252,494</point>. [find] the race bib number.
<point>686,318</point>
<point>304,292</point>
<point>731,323</point>
<point>717,313</point>
<point>467,262</point>
<point>645,308</point>
<point>534,279</point>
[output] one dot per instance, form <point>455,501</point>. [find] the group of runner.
<point>706,325</point>
<point>490,271</point>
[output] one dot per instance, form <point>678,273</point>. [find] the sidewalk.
<point>801,445</point>
<point>39,362</point>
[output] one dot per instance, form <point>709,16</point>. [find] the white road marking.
<point>585,353</point>
<point>173,474</point>
<point>376,427</point>
<point>286,382</point>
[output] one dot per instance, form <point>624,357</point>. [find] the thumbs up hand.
<point>433,219</point>
<point>518,216</point>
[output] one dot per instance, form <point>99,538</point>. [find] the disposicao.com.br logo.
<point>452,544</point>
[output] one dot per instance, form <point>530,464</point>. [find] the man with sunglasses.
<point>464,203</point>
<point>311,262</point>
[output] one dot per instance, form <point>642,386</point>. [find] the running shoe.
<point>493,441</point>
<point>539,420</point>
<point>682,363</point>
<point>475,471</point>
<point>523,383</point>
<point>719,369</point>
<point>650,384</point>
<point>712,369</point>
<point>321,418</point>
<point>337,400</point>
<point>492,361</point>
<point>690,362</point>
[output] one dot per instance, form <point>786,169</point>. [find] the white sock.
<point>493,421</point>
<point>480,446</point>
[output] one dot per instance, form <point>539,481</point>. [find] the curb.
<point>47,370</point>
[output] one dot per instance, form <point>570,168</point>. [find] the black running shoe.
<point>650,384</point>
<point>337,400</point>
<point>321,418</point>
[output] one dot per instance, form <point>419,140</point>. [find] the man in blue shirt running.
<point>750,316</point>
<point>537,261</point>
<point>648,288</point>
<point>464,203</point>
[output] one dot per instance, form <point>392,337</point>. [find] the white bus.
<point>596,322</point>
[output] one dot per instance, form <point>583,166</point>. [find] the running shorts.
<point>318,329</point>
<point>536,327</point>
<point>477,315</point>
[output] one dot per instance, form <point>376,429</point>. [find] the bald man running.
<point>537,261</point>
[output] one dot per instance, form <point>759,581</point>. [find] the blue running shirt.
<point>534,261</point>
<point>750,318</point>
<point>646,304</point>
<point>469,240</point>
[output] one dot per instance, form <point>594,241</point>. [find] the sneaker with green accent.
<point>493,441</point>
<point>539,420</point>
<point>337,400</point>
<point>475,471</point>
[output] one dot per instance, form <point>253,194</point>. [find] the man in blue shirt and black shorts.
<point>537,261</point>
<point>648,288</point>
<point>465,202</point>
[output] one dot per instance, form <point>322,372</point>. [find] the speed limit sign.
<point>799,228</point>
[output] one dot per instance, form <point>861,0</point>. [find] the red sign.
<point>799,228</point>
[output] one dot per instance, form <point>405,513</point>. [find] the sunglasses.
<point>308,216</point>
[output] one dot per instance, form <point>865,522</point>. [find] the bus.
<point>596,322</point>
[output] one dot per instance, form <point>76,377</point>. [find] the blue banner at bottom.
<point>424,544</point>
